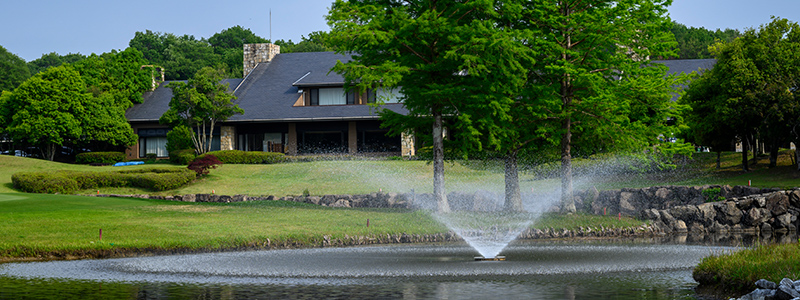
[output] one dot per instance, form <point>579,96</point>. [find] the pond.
<point>577,269</point>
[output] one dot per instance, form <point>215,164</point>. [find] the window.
<point>338,96</point>
<point>153,140</point>
<point>156,145</point>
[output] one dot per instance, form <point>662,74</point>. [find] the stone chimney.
<point>258,53</point>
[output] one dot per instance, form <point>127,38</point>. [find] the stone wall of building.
<point>227,137</point>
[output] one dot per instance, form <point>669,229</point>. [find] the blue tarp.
<point>128,163</point>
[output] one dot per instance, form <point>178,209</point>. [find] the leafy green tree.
<point>201,103</point>
<point>411,45</point>
<point>592,66</point>
<point>13,70</point>
<point>234,38</point>
<point>53,59</point>
<point>46,109</point>
<point>181,56</point>
<point>694,43</point>
<point>752,89</point>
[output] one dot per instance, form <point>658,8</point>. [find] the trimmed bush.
<point>182,157</point>
<point>99,157</point>
<point>43,182</point>
<point>66,182</point>
<point>247,157</point>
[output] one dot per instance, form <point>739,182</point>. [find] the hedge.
<point>182,157</point>
<point>66,182</point>
<point>247,157</point>
<point>99,157</point>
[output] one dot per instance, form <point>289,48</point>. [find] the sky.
<point>32,28</point>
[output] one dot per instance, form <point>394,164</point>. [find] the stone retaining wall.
<point>670,208</point>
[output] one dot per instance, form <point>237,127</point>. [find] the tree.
<point>201,103</point>
<point>592,64</point>
<point>46,109</point>
<point>753,87</point>
<point>694,42</point>
<point>411,45</point>
<point>13,70</point>
<point>53,59</point>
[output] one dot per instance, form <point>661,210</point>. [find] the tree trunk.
<point>567,201</point>
<point>438,163</point>
<point>719,158</point>
<point>756,150</point>
<point>773,154</point>
<point>513,198</point>
<point>797,156</point>
<point>49,151</point>
<point>745,143</point>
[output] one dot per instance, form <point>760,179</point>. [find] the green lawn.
<point>41,225</point>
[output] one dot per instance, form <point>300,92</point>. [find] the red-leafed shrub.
<point>202,164</point>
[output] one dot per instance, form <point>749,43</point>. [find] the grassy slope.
<point>56,225</point>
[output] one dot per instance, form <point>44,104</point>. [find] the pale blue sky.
<point>34,27</point>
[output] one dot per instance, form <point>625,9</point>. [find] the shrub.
<point>179,138</point>
<point>99,157</point>
<point>182,157</point>
<point>712,195</point>
<point>65,182</point>
<point>202,164</point>
<point>42,182</point>
<point>247,157</point>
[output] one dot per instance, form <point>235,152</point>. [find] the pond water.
<point>622,269</point>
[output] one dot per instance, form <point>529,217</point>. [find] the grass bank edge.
<point>739,270</point>
<point>179,227</point>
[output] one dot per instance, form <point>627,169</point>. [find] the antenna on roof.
<point>270,26</point>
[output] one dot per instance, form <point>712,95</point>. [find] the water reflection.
<point>644,268</point>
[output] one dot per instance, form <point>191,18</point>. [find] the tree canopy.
<point>517,75</point>
<point>13,70</point>
<point>751,91</point>
<point>53,59</point>
<point>694,43</point>
<point>78,105</point>
<point>201,103</point>
<point>184,55</point>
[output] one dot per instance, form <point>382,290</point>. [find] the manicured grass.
<point>40,225</point>
<point>36,224</point>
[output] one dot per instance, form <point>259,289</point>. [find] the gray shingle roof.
<point>687,66</point>
<point>156,103</point>
<point>269,92</point>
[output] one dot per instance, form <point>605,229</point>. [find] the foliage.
<point>202,164</point>
<point>53,59</point>
<point>694,43</point>
<point>593,77</point>
<point>81,105</point>
<point>317,41</point>
<point>99,157</point>
<point>13,70</point>
<point>248,157</point>
<point>182,157</point>
<point>179,138</point>
<point>750,92</point>
<point>46,110</point>
<point>200,103</point>
<point>422,48</point>
<point>65,182</point>
<point>712,195</point>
